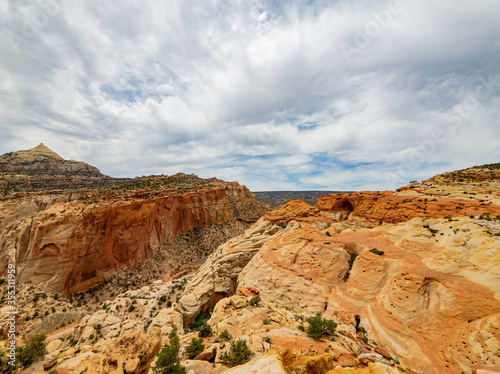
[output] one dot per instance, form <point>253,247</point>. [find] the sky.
<point>277,95</point>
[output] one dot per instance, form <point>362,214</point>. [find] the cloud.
<point>277,95</point>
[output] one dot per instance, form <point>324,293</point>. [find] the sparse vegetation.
<point>225,336</point>
<point>205,330</point>
<point>254,301</point>
<point>377,252</point>
<point>168,360</point>
<point>238,354</point>
<point>195,348</point>
<point>32,351</point>
<point>319,326</point>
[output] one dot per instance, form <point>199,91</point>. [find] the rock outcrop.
<point>72,247</point>
<point>131,353</point>
<point>409,276</point>
<point>70,241</point>
<point>40,160</point>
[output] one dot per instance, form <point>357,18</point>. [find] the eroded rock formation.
<point>70,241</point>
<point>415,270</point>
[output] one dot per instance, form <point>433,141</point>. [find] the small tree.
<point>168,360</point>
<point>5,367</point>
<point>238,354</point>
<point>254,301</point>
<point>34,350</point>
<point>205,331</point>
<point>319,326</point>
<point>195,348</point>
<point>225,336</point>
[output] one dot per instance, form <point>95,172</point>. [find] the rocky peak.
<point>42,149</point>
<point>42,160</point>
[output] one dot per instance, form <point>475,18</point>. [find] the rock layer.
<point>412,270</point>
<point>69,250</point>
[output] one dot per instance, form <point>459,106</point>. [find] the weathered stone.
<point>208,354</point>
<point>49,363</point>
<point>54,345</point>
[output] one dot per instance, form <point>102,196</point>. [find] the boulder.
<point>131,353</point>
<point>208,354</point>
<point>49,363</point>
<point>54,345</point>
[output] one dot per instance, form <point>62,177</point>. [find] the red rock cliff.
<point>71,247</point>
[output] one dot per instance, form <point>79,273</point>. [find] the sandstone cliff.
<point>70,241</point>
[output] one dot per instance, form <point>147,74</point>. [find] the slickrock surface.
<point>411,277</point>
<point>414,273</point>
<point>131,353</point>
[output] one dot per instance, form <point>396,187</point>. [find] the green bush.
<point>267,339</point>
<point>4,363</point>
<point>319,326</point>
<point>205,331</point>
<point>376,251</point>
<point>195,348</point>
<point>32,351</point>
<point>266,321</point>
<point>72,341</point>
<point>197,323</point>
<point>238,354</point>
<point>254,301</point>
<point>168,360</point>
<point>225,336</point>
<point>53,371</point>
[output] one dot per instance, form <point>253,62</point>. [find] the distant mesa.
<point>42,160</point>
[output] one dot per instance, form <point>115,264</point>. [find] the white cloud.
<point>277,95</point>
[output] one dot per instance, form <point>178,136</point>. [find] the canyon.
<point>407,280</point>
<point>71,241</point>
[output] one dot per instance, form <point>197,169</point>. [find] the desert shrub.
<point>238,354</point>
<point>377,252</point>
<point>197,323</point>
<point>254,301</point>
<point>267,339</point>
<point>195,348</point>
<point>205,331</point>
<point>5,367</point>
<point>168,360</point>
<point>32,351</point>
<point>72,341</point>
<point>266,321</point>
<point>225,336</point>
<point>319,326</point>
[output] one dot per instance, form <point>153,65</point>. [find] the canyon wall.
<point>73,246</point>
